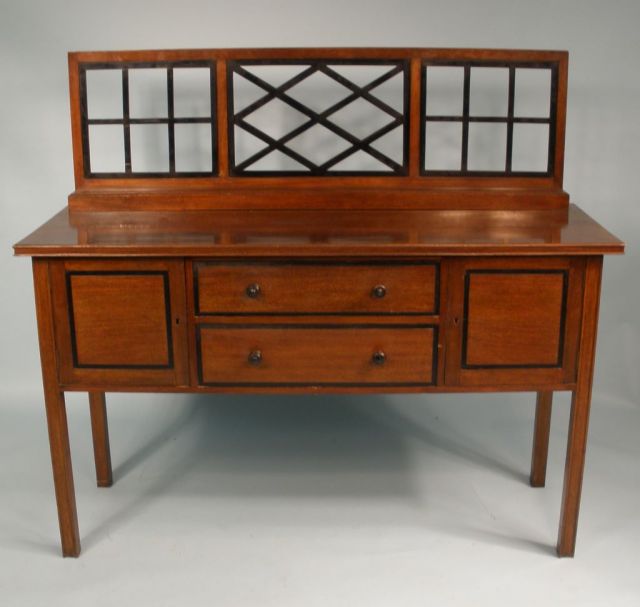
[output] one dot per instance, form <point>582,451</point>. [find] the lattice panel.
<point>151,119</point>
<point>207,119</point>
<point>317,117</point>
<point>488,118</point>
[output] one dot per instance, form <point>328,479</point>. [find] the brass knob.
<point>379,291</point>
<point>378,357</point>
<point>253,291</point>
<point>255,357</point>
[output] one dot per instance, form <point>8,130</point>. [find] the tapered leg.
<point>62,472</point>
<point>574,469</point>
<point>100,432</point>
<point>580,404</point>
<point>56,415</point>
<point>541,439</point>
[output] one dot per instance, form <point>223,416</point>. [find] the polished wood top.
<point>282,233</point>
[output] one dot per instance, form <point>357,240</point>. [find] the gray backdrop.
<point>601,174</point>
<point>603,125</point>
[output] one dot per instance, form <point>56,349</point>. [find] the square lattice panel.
<point>482,118</point>
<point>153,119</point>
<point>318,117</point>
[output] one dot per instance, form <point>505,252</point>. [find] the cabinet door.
<point>120,322</point>
<point>513,321</point>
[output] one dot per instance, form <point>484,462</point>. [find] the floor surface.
<point>319,501</point>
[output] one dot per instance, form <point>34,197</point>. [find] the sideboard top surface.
<point>281,233</point>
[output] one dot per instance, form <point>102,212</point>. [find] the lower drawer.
<point>316,354</point>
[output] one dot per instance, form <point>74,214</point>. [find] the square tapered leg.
<point>100,433</point>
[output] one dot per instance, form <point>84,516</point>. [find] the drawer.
<point>316,354</point>
<point>320,288</point>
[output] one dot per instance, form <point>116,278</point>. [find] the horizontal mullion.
<point>203,120</point>
<point>507,63</point>
<point>504,119</point>
<point>472,173</point>
<point>148,174</point>
<point>116,65</point>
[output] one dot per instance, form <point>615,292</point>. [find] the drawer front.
<point>327,288</point>
<point>316,354</point>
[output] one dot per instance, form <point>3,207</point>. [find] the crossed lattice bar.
<point>318,118</point>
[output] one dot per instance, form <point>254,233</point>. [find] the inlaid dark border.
<point>292,326</point>
<point>509,119</point>
<point>167,299</point>
<point>305,262</point>
<point>563,318</point>
<point>279,92</point>
<point>126,120</point>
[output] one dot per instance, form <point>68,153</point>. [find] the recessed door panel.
<point>513,321</point>
<point>514,318</point>
<point>120,322</point>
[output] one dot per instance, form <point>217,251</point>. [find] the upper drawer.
<point>316,288</point>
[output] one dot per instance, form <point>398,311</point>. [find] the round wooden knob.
<point>378,358</point>
<point>253,291</point>
<point>255,357</point>
<point>379,291</point>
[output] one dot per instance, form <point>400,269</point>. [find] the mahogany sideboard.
<point>232,229</point>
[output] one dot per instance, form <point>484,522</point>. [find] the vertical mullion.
<point>465,118</point>
<point>171,123</point>
<point>553,109</point>
<point>125,120</point>
<point>226,119</point>
<point>422,113</point>
<point>414,116</point>
<point>218,101</point>
<point>84,114</point>
<point>510,112</point>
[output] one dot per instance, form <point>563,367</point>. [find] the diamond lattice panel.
<point>318,117</point>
